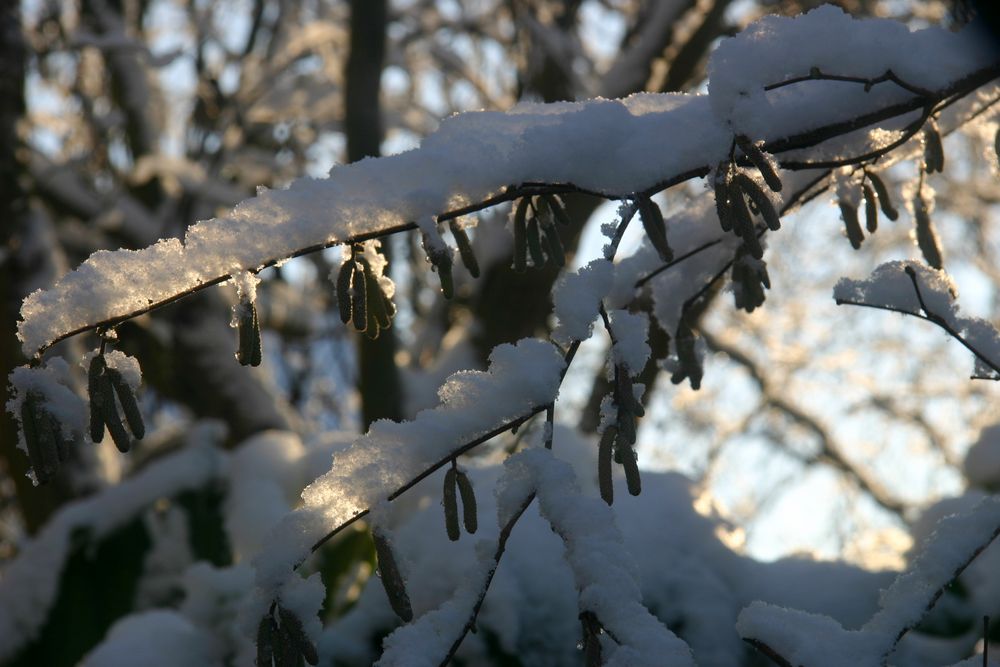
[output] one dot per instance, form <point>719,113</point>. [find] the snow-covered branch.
<point>641,144</point>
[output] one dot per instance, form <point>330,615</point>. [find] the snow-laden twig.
<point>911,288</point>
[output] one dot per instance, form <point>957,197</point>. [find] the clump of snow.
<point>891,286</point>
<point>246,285</point>
<point>982,461</point>
<point>577,298</point>
<point>809,639</point>
<point>630,348</point>
<point>644,140</point>
<point>830,40</point>
<point>521,379</point>
<point>955,541</point>
<point>127,366</point>
<point>158,638</point>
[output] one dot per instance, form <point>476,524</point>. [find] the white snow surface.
<point>520,378</point>
<point>577,298</point>
<point>820,641</point>
<point>615,147</point>
<point>630,348</point>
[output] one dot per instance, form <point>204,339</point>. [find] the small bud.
<point>464,248</point>
<point>344,290</point>
<point>392,579</point>
<point>624,395</point>
<point>469,512</point>
<point>687,356</point>
<point>31,429</point>
<point>759,160</point>
<point>117,430</point>
<point>535,244</point>
<point>248,327</point>
<point>851,224</point>
<point>604,453</point>
<point>292,626</point>
<point>926,235</point>
<point>450,500</point>
<point>553,244</point>
<point>98,393</point>
<point>763,203</point>
<point>871,209</point>
<point>520,235</point>
<point>883,195</point>
<point>265,641</point>
<point>558,209</point>
<point>933,149</point>
<point>129,406</point>
<point>631,466</point>
<point>722,195</point>
<point>359,298</point>
<point>655,227</point>
<point>743,225</point>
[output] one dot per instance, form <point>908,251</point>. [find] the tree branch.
<point>800,140</point>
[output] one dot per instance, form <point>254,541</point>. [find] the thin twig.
<point>769,652</point>
<point>817,75</point>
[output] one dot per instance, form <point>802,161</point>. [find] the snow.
<point>630,348</point>
<point>606,576</point>
<point>820,641</point>
<point>158,638</point>
<point>521,378</point>
<point>31,581</point>
<point>890,286</point>
<point>954,542</point>
<point>982,461</point>
<point>246,285</point>
<point>577,297</point>
<point>831,40</point>
<point>640,141</point>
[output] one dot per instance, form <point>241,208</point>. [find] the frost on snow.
<point>521,378</point>
<point>890,286</point>
<point>643,140</point>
